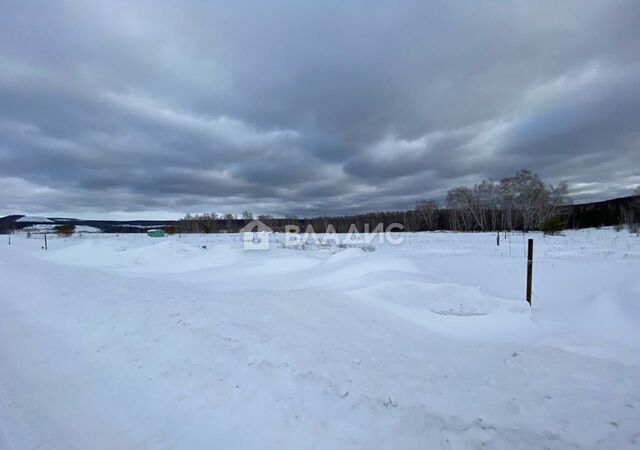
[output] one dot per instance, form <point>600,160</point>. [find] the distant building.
<point>156,232</point>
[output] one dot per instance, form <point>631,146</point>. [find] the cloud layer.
<point>310,107</point>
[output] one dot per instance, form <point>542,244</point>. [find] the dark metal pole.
<point>529,269</point>
<point>45,241</point>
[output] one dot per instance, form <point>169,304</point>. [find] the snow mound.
<point>448,308</point>
<point>161,257</point>
<point>352,265</point>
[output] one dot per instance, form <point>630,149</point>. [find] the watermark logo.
<point>258,236</point>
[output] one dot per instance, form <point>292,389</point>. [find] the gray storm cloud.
<point>310,107</point>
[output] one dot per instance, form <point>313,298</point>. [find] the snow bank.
<point>154,257</point>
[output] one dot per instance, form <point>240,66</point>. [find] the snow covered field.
<point>132,342</point>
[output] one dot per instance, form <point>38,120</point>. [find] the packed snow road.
<point>132,342</point>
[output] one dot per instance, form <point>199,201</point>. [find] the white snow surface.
<point>133,342</point>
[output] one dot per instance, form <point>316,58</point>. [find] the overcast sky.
<point>154,109</point>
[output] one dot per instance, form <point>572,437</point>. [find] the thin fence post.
<point>529,269</point>
<point>9,240</point>
<point>45,241</point>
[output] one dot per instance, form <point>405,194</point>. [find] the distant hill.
<point>18,222</point>
<point>34,219</point>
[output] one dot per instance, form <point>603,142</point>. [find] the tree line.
<point>520,202</point>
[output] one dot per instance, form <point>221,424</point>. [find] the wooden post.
<point>45,241</point>
<point>529,269</point>
<point>498,239</point>
<point>9,240</point>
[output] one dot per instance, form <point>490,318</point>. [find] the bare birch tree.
<point>428,210</point>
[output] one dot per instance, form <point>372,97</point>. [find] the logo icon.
<point>256,235</point>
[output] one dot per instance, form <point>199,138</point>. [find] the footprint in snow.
<point>390,401</point>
